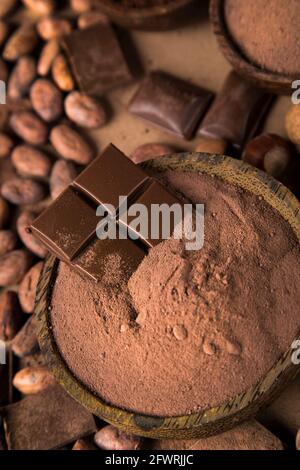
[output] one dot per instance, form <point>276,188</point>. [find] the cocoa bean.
<point>149,151</point>
<point>91,18</point>
<point>71,145</point>
<point>84,444</point>
<point>63,173</point>
<point>8,241</point>
<point>33,244</point>
<point>4,29</point>
<point>61,73</point>
<point>13,267</point>
<point>31,162</point>
<point>21,191</point>
<point>48,54</point>
<point>84,110</point>
<point>32,380</point>
<point>29,127</point>
<point>4,212</point>
<point>11,316</point>
<point>25,342</point>
<point>21,77</point>
<point>51,27</point>
<point>6,145</point>
<point>3,71</point>
<point>27,288</point>
<point>22,42</point>
<point>80,6</point>
<point>40,7</point>
<point>6,6</point>
<point>46,100</point>
<point>111,438</point>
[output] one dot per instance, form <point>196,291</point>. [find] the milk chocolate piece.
<point>236,113</point>
<point>45,421</point>
<point>170,103</point>
<point>96,59</point>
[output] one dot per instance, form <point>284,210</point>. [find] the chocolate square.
<point>67,224</point>
<point>111,175</point>
<point>170,103</point>
<point>236,113</point>
<point>45,421</point>
<point>96,59</point>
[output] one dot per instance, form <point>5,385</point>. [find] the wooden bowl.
<point>210,421</point>
<point>154,18</point>
<point>271,81</point>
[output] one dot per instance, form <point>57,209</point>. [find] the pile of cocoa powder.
<point>266,32</point>
<point>192,328</point>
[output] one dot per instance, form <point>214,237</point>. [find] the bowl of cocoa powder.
<point>259,39</point>
<point>195,341</point>
<point>147,14</point>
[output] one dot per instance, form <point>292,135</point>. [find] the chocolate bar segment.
<point>236,113</point>
<point>109,176</point>
<point>67,224</point>
<point>96,59</point>
<point>170,103</point>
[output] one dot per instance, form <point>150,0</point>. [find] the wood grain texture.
<point>211,421</point>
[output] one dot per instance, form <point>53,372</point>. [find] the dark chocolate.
<point>68,227</point>
<point>96,59</point>
<point>236,113</point>
<point>170,103</point>
<point>45,421</point>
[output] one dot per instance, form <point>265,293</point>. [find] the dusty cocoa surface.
<point>199,327</point>
<point>266,32</point>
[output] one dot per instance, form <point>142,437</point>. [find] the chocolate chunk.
<point>96,58</point>
<point>25,342</point>
<point>236,113</point>
<point>170,103</point>
<point>48,420</point>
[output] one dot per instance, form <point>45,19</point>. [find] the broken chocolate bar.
<point>96,59</point>
<point>48,420</point>
<point>69,227</point>
<point>170,103</point>
<point>236,113</point>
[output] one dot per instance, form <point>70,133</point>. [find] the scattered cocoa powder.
<point>266,32</point>
<point>193,328</point>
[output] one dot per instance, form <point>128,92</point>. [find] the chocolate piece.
<point>236,113</point>
<point>96,59</point>
<point>48,420</point>
<point>25,342</point>
<point>154,194</point>
<point>170,103</point>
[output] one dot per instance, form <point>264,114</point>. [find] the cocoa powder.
<point>193,328</point>
<point>266,32</point>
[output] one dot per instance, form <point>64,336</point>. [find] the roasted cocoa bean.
<point>91,18</point>
<point>27,288</point>
<point>4,29</point>
<point>6,6</point>
<point>22,42</point>
<point>63,173</point>
<point>32,380</point>
<point>149,151</point>
<point>8,241</point>
<point>51,27</point>
<point>21,77</point>
<point>21,191</point>
<point>80,6</point>
<point>48,54</point>
<point>84,444</point>
<point>6,145</point>
<point>111,438</point>
<point>40,7</point>
<point>29,127</point>
<point>62,74</point>
<point>33,244</point>
<point>31,162</point>
<point>25,342</point>
<point>11,316</point>
<point>46,99</point>
<point>13,267</point>
<point>71,145</point>
<point>84,110</point>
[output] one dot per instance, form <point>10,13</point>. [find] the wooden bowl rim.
<point>142,13</point>
<point>240,62</point>
<point>216,419</point>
